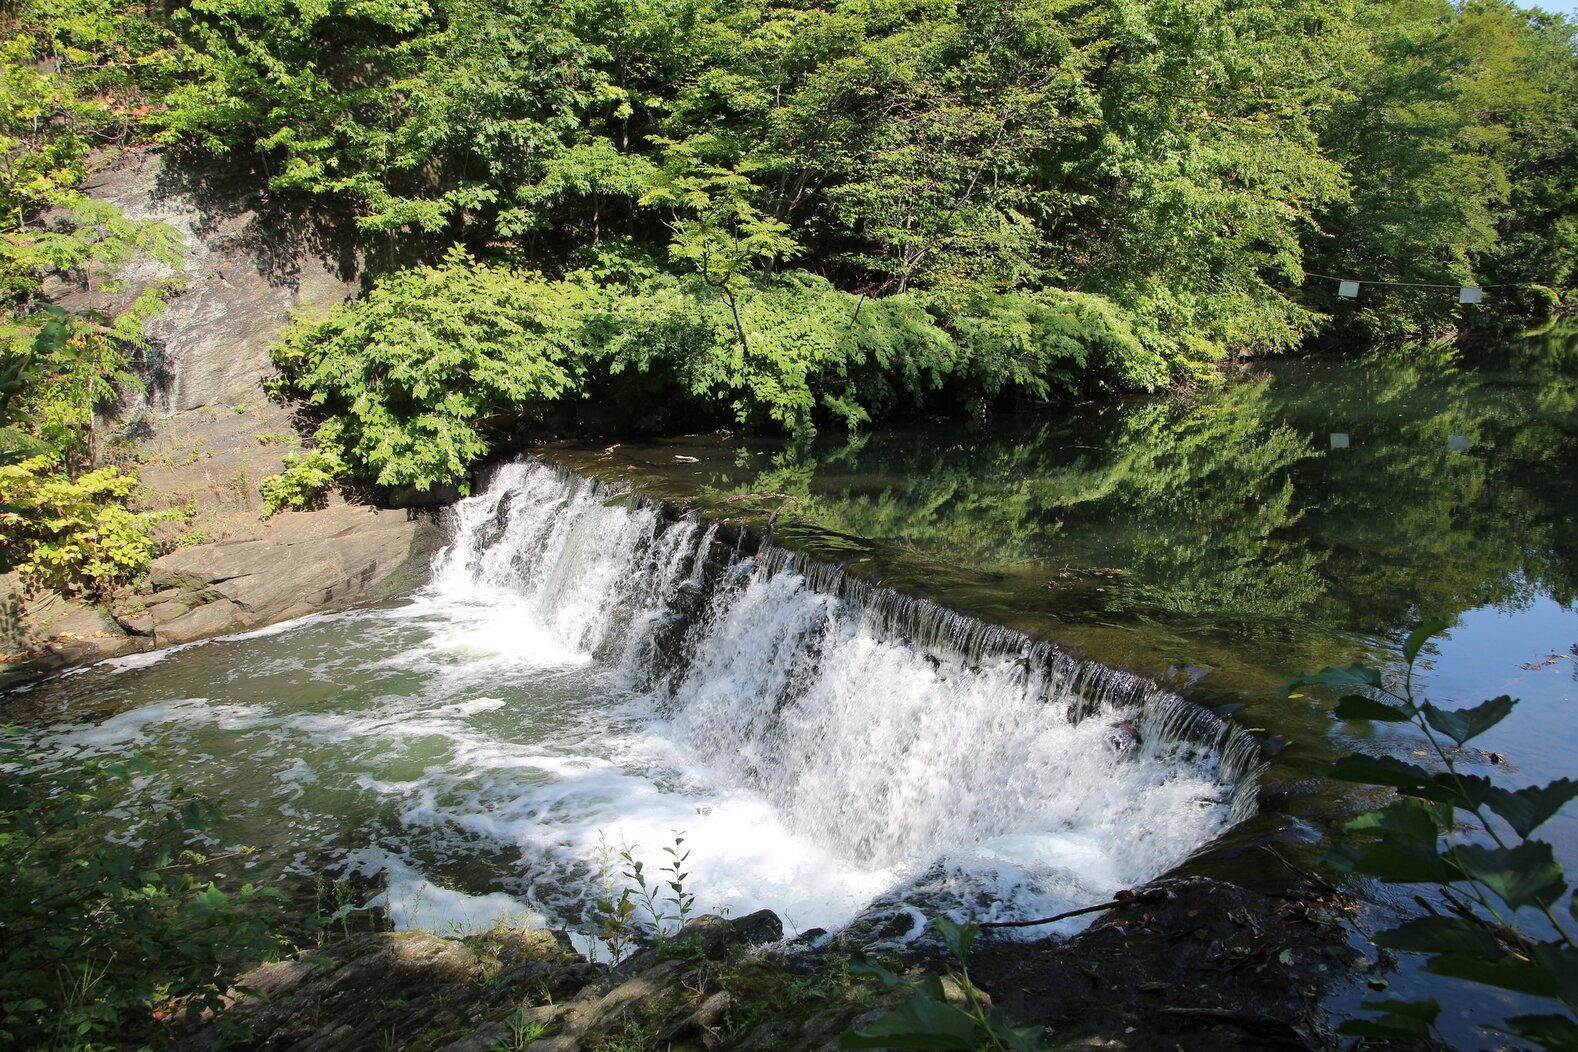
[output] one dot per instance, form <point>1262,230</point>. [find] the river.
<point>920,693</point>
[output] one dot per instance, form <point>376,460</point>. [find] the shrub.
<point>72,534</point>
<point>414,379</point>
<point>304,483</point>
<point>103,939</point>
<point>1473,840</point>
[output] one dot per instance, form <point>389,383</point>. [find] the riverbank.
<point>1192,963</point>
<point>203,434</point>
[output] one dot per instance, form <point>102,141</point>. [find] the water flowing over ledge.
<point>889,730</point>
<point>589,673</point>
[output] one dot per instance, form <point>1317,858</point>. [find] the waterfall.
<point>889,730</point>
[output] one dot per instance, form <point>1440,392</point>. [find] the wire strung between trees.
<point>1425,284</point>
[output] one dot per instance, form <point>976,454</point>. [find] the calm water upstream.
<point>576,680</point>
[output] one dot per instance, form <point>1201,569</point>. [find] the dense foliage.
<point>73,77</point>
<point>702,211</point>
<point>102,940</point>
<point>437,363</point>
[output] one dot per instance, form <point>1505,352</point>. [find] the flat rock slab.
<point>301,562</point>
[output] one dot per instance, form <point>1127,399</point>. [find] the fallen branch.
<point>1123,898</point>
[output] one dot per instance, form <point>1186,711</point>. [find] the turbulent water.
<point>584,676</point>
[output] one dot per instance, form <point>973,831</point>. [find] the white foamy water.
<point>579,681</point>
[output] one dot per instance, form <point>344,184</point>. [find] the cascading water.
<point>586,675</point>
<point>892,732</point>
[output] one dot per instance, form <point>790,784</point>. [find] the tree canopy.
<point>788,214</point>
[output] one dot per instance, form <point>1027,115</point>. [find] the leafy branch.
<point>1470,837</point>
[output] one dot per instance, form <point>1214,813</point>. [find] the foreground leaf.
<point>1359,707</point>
<point>1384,770</point>
<point>1398,1019</point>
<point>917,1024</point>
<point>1562,964</point>
<point>1331,676</point>
<point>1416,640</point>
<point>1440,935</point>
<point>1398,863</point>
<point>1518,875</point>
<point>1463,725</point>
<point>1505,972</point>
<point>1527,809</point>
<point>1409,817</point>
<point>1555,1032</point>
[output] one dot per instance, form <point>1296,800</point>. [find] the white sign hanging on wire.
<point>1470,294</point>
<point>1348,289</point>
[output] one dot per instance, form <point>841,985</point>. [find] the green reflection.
<point>1218,528</point>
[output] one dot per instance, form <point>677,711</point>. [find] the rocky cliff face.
<point>204,435</point>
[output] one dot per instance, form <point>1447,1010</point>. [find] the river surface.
<point>1310,513</point>
<point>586,685</point>
<point>576,683</point>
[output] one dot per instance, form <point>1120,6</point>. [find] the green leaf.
<point>917,1024</point>
<point>1396,1027</point>
<point>1425,1011</point>
<point>1385,770</point>
<point>1409,818</point>
<point>1561,962</point>
<point>1331,676</point>
<point>1420,636</point>
<point>1504,972</point>
<point>1518,875</point>
<point>1555,1032</point>
<point>1440,935</point>
<point>876,971</point>
<point>1526,809</point>
<point>1359,707</point>
<point>957,937</point>
<point>1466,790</point>
<point>1463,725</point>
<point>1399,863</point>
<point>1398,1019</point>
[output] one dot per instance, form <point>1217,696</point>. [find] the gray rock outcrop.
<point>302,562</point>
